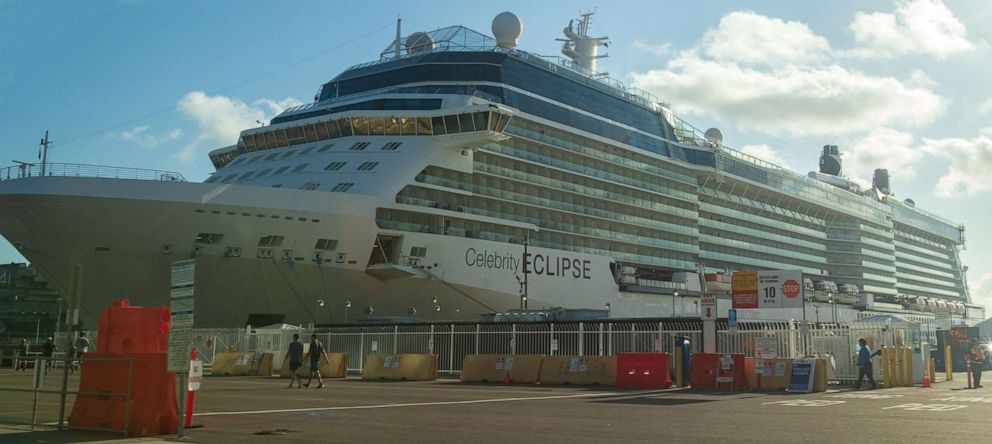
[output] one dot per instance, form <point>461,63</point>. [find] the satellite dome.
<point>714,136</point>
<point>419,42</point>
<point>507,28</point>
<point>910,202</point>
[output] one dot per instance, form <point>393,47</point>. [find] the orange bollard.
<point>190,394</point>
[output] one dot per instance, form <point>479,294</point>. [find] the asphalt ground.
<point>247,410</point>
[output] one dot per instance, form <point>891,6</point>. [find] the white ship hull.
<point>126,244</point>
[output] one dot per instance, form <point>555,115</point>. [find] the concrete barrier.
<point>335,366</point>
<point>579,370</point>
<point>232,364</point>
<point>521,369</point>
<point>408,367</point>
<point>774,373</point>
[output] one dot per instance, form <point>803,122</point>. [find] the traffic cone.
<point>506,378</point>
<point>926,381</point>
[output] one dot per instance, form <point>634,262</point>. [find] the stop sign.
<point>790,288</point>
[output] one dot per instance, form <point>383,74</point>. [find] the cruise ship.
<point>457,176</point>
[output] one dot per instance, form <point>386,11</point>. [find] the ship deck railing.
<point>27,170</point>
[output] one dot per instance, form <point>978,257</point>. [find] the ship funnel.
<point>880,181</point>
<point>507,28</point>
<point>830,160</point>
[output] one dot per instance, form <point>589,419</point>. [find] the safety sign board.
<point>767,289</point>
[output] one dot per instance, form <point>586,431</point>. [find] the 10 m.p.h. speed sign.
<point>768,289</point>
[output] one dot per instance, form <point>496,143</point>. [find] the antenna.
<point>43,152</point>
<point>398,20</point>
<point>580,47</point>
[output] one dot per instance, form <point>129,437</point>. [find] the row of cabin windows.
<point>366,126</point>
<point>206,240</point>
<point>333,166</point>
<point>265,241</point>
<point>390,146</point>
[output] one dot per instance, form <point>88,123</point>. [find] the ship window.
<point>208,238</point>
<point>263,173</point>
<point>274,216</point>
<point>231,213</point>
<point>307,151</point>
<point>334,166</point>
<point>360,126</point>
<point>249,142</point>
<point>391,146</point>
<point>466,122</point>
<point>255,159</point>
<point>367,166</point>
<point>333,130</point>
<point>438,123</point>
<point>278,185</point>
<point>503,121</point>
<point>326,244</point>
<point>346,128</point>
<point>294,135</point>
<point>325,147</point>
<point>408,126</point>
<point>392,126</point>
<point>377,126</point>
<point>310,186</point>
<point>321,131</point>
<point>481,119</point>
<point>281,138</point>
<point>246,175</point>
<point>311,132</point>
<point>260,143</point>
<point>418,251</point>
<point>281,170</point>
<point>359,146</point>
<point>300,168</point>
<point>342,187</point>
<point>270,139</point>
<point>424,126</point>
<point>270,241</point>
<point>288,153</point>
<point>451,124</point>
<point>212,179</point>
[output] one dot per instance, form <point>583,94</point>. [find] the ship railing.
<point>26,170</point>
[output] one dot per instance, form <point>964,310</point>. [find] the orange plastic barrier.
<point>153,403</point>
<point>335,366</point>
<point>644,370</point>
<point>141,334</point>
<point>408,367</point>
<point>579,370</point>
<point>125,329</point>
<point>706,367</point>
<point>516,369</point>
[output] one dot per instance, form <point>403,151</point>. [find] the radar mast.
<point>580,47</point>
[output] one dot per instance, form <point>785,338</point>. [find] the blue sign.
<point>732,320</point>
<point>801,379</point>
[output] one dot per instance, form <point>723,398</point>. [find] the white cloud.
<point>917,26</point>
<point>920,79</point>
<point>221,119</point>
<point>140,136</point>
<point>766,153</point>
<point>752,39</point>
<point>981,290</point>
<point>986,106</point>
<point>970,164</point>
<point>658,49</point>
<point>882,148</point>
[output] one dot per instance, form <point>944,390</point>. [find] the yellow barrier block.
<point>265,366</point>
<point>409,367</point>
<point>335,366</point>
<point>886,378</point>
<point>779,372</point>
<point>579,370</point>
<point>522,369</point>
<point>232,364</point>
<point>948,366</point>
<point>678,367</point>
<point>820,376</point>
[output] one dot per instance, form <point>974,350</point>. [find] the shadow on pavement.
<point>13,436</point>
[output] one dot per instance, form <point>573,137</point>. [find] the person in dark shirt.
<point>295,358</point>
<point>315,353</point>
<point>47,351</point>
<point>864,364</point>
<point>976,360</point>
<point>22,355</point>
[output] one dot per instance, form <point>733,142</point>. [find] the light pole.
<point>58,317</point>
<point>608,308</point>
<point>816,308</point>
<point>833,308</point>
<point>347,305</point>
<point>674,295</point>
<point>316,317</point>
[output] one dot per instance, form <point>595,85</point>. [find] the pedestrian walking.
<point>976,360</point>
<point>48,351</point>
<point>22,355</point>
<point>315,353</point>
<point>295,358</point>
<point>82,345</point>
<point>864,364</point>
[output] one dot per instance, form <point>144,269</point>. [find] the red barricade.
<point>139,333</point>
<point>644,370</point>
<point>706,367</point>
